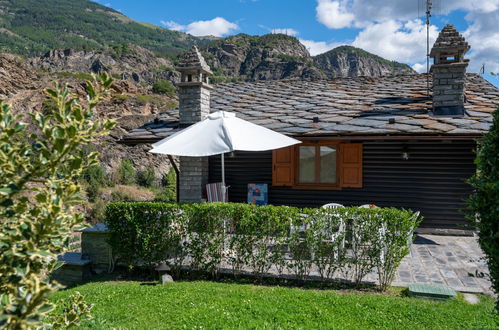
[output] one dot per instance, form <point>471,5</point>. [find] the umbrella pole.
<point>223,178</point>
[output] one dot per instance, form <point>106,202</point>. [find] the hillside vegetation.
<point>33,27</point>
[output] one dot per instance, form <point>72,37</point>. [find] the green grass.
<point>136,305</point>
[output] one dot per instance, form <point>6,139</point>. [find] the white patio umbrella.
<point>219,133</point>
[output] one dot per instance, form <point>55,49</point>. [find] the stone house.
<point>386,141</point>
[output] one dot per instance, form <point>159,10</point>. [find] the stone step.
<point>431,291</point>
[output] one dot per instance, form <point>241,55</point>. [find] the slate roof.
<point>362,106</point>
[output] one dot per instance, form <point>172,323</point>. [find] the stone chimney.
<point>194,105</point>
<point>194,87</point>
<point>449,72</point>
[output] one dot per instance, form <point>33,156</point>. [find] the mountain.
<point>348,61</point>
<point>267,57</point>
<point>130,62</point>
<point>33,27</point>
<point>278,56</point>
<point>83,36</point>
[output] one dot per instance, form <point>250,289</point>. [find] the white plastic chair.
<point>331,206</point>
<point>342,227</point>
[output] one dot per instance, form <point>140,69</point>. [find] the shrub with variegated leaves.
<point>38,191</point>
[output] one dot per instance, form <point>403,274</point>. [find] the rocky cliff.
<point>130,62</point>
<point>347,61</point>
<point>268,57</point>
<point>278,56</point>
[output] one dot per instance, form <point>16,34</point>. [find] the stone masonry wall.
<point>448,84</point>
<point>194,103</point>
<point>193,178</point>
<point>95,247</point>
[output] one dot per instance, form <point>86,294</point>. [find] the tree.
<point>484,202</point>
<point>38,191</point>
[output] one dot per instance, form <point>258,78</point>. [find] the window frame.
<point>317,186</point>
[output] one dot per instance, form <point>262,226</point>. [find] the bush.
<point>95,178</point>
<point>169,193</point>
<point>146,177</point>
<point>484,202</point>
<point>126,173</point>
<point>251,238</point>
<point>164,87</point>
<point>38,196</point>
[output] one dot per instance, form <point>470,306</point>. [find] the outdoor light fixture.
<point>405,152</point>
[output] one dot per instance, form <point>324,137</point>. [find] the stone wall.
<point>193,178</point>
<point>194,100</point>
<point>95,247</point>
<point>448,85</point>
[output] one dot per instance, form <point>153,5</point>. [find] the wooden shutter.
<point>351,165</point>
<point>283,166</point>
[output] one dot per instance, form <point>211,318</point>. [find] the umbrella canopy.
<point>221,132</point>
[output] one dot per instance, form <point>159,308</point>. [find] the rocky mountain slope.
<point>278,56</point>
<point>83,36</point>
<point>130,104</point>
<point>129,62</point>
<point>267,57</point>
<point>33,27</point>
<point>347,61</point>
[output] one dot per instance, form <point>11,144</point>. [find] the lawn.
<point>200,304</point>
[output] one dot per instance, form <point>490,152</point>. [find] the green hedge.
<point>249,238</point>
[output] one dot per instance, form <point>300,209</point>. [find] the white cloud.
<point>218,27</point>
<point>390,31</point>
<point>419,67</point>
<point>483,36</point>
<point>397,41</point>
<point>346,13</point>
<point>334,14</point>
<point>319,47</point>
<point>288,31</point>
<point>173,25</point>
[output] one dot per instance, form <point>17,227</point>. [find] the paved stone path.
<point>454,261</point>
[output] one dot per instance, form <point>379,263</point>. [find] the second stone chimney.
<point>194,87</point>
<point>449,72</point>
<point>194,92</point>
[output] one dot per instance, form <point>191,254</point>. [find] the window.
<point>321,165</point>
<point>317,164</point>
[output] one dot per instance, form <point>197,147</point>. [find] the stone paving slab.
<point>454,261</point>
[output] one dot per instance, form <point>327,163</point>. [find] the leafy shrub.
<point>248,237</point>
<point>484,202</point>
<point>168,193</point>
<point>146,177</point>
<point>38,193</point>
<point>126,173</point>
<point>164,87</point>
<point>95,179</point>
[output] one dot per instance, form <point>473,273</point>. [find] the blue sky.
<point>388,28</point>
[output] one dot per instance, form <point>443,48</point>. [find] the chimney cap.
<point>449,39</point>
<point>193,61</point>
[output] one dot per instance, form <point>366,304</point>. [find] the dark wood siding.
<point>432,180</point>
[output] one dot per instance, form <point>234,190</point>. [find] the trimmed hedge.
<point>257,238</point>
